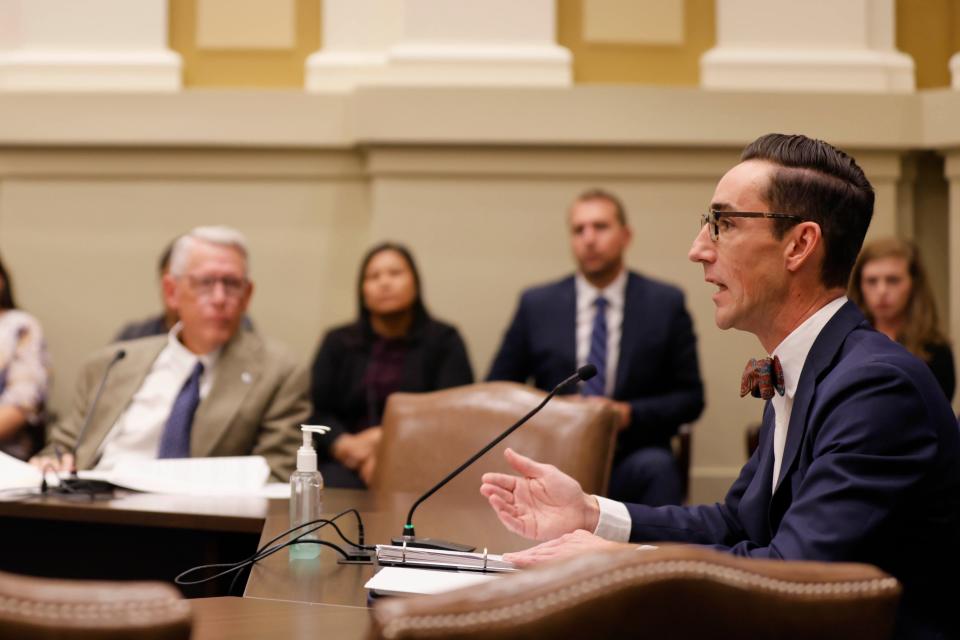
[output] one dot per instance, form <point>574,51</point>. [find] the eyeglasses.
<point>206,285</point>
<point>712,218</point>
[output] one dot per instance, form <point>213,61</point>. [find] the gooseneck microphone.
<point>409,536</point>
<point>74,484</point>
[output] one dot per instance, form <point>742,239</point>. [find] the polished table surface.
<point>322,580</point>
<point>254,619</point>
<point>284,597</point>
<point>226,514</point>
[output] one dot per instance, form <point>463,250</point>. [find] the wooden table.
<point>323,580</point>
<point>132,536</point>
<point>255,619</point>
<point>146,536</point>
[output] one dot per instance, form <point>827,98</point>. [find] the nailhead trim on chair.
<point>573,594</point>
<point>92,611</point>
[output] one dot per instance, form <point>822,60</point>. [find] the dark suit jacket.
<point>436,358</point>
<point>255,407</point>
<point>657,371</point>
<point>870,473</point>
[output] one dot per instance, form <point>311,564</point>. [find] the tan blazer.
<point>256,404</point>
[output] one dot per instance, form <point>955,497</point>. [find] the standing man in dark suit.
<point>859,456</point>
<point>635,330</point>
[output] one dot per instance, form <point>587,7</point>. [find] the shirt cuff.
<point>614,523</point>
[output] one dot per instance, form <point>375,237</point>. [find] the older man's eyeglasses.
<point>206,285</point>
<point>712,219</point>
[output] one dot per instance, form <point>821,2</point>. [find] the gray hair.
<point>221,236</point>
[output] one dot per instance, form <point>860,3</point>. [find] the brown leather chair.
<point>427,435</point>
<point>673,592</point>
<point>46,608</point>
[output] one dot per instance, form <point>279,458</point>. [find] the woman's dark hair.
<point>419,310</point>
<point>6,290</point>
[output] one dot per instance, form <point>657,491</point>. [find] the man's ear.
<point>804,242</point>
<point>168,286</point>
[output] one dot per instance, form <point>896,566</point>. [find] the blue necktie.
<point>596,386</point>
<point>175,441</point>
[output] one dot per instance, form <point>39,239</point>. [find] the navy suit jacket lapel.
<point>822,353</point>
<point>567,300</point>
<point>630,329</point>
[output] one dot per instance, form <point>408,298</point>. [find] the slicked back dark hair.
<point>6,290</point>
<point>823,184</point>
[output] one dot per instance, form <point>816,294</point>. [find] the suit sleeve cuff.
<point>614,523</point>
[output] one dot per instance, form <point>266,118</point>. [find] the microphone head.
<point>587,371</point>
<point>122,353</point>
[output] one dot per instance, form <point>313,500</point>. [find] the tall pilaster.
<point>438,43</point>
<point>94,45</point>
<point>815,45</point>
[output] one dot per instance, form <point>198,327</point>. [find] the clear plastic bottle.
<point>306,495</point>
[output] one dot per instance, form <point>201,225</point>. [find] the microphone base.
<point>357,556</point>
<point>431,543</point>
<point>80,487</point>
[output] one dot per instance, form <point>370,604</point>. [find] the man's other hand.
<point>566,546</point>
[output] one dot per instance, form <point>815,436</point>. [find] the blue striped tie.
<point>596,386</point>
<point>175,441</point>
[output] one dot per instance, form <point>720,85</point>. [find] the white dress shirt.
<point>615,295</point>
<point>136,433</point>
<point>614,523</point>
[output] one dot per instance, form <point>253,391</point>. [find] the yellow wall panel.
<point>246,24</point>
<point>638,63</point>
<point>657,22</point>
<point>243,67</point>
<point>929,31</point>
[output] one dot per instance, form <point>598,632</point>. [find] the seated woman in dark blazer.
<point>394,345</point>
<point>889,284</point>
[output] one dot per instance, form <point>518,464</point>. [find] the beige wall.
<point>476,182</point>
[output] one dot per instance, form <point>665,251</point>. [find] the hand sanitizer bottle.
<point>306,495</point>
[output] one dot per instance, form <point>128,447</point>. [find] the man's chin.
<point>722,320</point>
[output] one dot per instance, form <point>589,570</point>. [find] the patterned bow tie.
<point>762,377</point>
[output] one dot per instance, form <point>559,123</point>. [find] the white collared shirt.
<point>615,295</point>
<point>136,433</point>
<point>614,523</point>
<point>793,354</point>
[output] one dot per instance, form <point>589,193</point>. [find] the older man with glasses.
<point>206,388</point>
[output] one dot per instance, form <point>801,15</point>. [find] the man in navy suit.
<point>859,456</point>
<point>637,333</point>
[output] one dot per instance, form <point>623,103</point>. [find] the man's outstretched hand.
<point>543,503</point>
<point>566,546</point>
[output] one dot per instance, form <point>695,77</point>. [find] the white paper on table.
<point>236,475</point>
<point>397,581</point>
<point>226,476</point>
<point>17,474</point>
<point>275,490</point>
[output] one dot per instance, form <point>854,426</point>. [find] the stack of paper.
<point>226,476</point>
<point>399,581</point>
<point>442,559</point>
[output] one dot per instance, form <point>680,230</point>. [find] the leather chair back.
<point>675,592</point>
<point>428,435</point>
<point>46,608</point>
